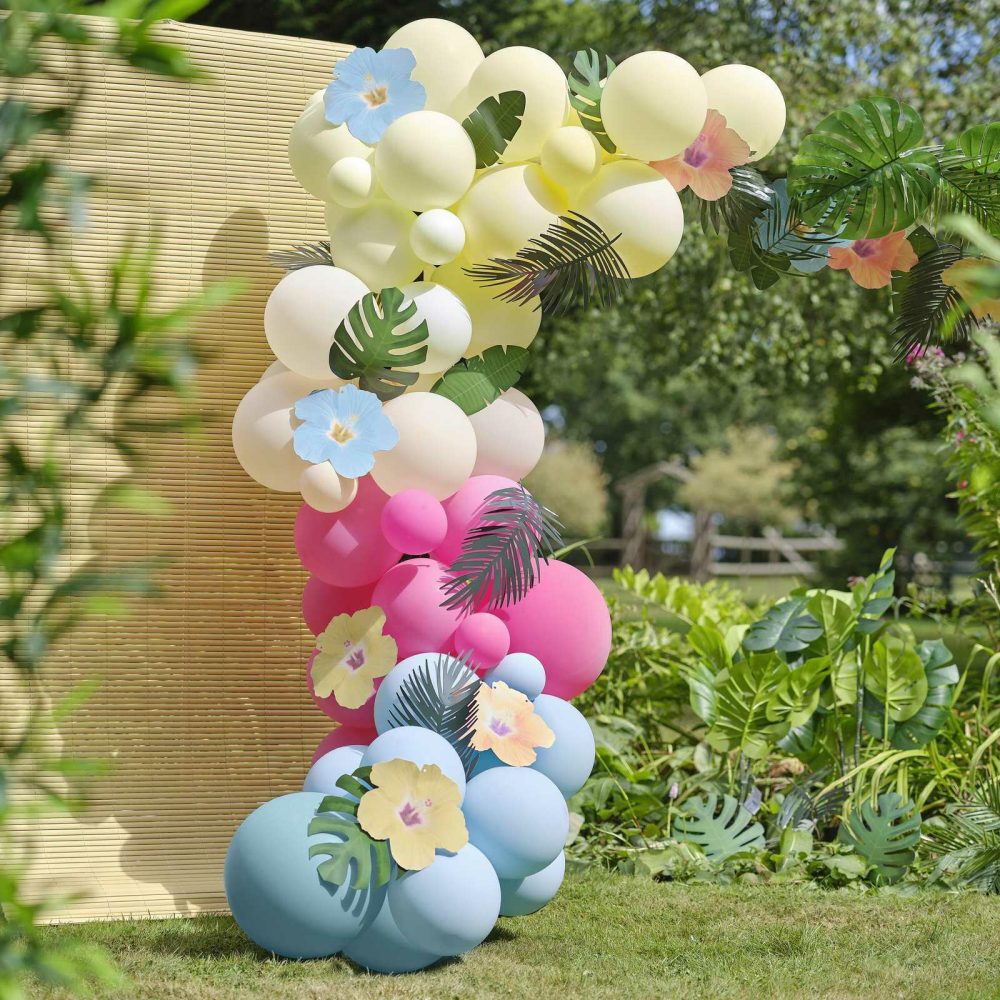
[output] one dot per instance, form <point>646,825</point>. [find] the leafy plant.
<point>966,841</point>
<point>970,176</point>
<point>585,86</point>
<point>302,255</point>
<point>474,383</point>
<point>749,196</point>
<point>787,628</point>
<point>493,124</point>
<point>886,835</point>
<point>720,829</point>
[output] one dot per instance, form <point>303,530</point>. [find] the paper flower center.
<point>498,726</point>
<point>696,154</point>
<point>411,815</point>
<point>865,248</point>
<point>376,97</point>
<point>354,660</point>
<point>340,433</point>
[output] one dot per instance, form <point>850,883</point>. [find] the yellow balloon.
<point>324,490</point>
<point>510,436</point>
<point>437,236</point>
<point>449,327</point>
<point>373,242</point>
<point>751,103</point>
<point>571,157</point>
<point>350,182</point>
<point>541,80</point>
<point>633,201</point>
<point>653,105</point>
<point>446,57</point>
<point>425,160</point>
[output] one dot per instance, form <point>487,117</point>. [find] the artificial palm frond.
<point>302,255</point>
<point>502,551</point>
<point>748,197</point>
<point>573,263</point>
<point>967,843</point>
<point>969,168</point>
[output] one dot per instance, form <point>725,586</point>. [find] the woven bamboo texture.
<point>203,711</point>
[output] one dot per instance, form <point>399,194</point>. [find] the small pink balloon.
<point>343,736</point>
<point>357,718</point>
<point>414,522</point>
<point>461,509</point>
<point>564,621</point>
<point>346,549</point>
<point>483,638</point>
<point>410,594</point>
<point>322,602</point>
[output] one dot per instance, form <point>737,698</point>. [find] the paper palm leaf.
<point>474,383</point>
<point>493,124</point>
<point>748,197</point>
<point>302,255</point>
<point>585,88</point>
<point>886,836</point>
<point>720,831</point>
<point>970,177</point>
<point>968,842</point>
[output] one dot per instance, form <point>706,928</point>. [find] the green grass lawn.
<point>614,936</point>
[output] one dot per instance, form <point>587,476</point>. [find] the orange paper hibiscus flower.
<point>871,262</point>
<point>507,724</point>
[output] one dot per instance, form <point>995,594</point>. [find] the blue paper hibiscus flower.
<point>344,427</point>
<point>371,90</point>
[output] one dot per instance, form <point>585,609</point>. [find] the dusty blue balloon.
<point>331,767</point>
<point>569,761</point>
<point>419,745</point>
<point>274,888</point>
<point>451,905</point>
<point>381,947</point>
<point>385,697</point>
<point>520,671</point>
<point>517,818</point>
<point>521,896</point>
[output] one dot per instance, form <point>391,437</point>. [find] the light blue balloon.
<point>520,671</point>
<point>382,948</point>
<point>385,697</point>
<point>569,761</point>
<point>521,896</point>
<point>419,745</point>
<point>274,889</point>
<point>331,767</point>
<point>517,818</point>
<point>451,905</point>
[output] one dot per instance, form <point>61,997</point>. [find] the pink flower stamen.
<point>411,815</point>
<point>356,660</point>
<point>499,727</point>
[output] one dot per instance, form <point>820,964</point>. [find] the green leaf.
<point>493,124</point>
<point>787,628</point>
<point>873,595</point>
<point>741,719</point>
<point>970,177</point>
<point>863,170</point>
<point>894,675</point>
<point>302,255</point>
<point>474,383</point>
<point>796,697</point>
<point>836,619</point>
<point>886,836</point>
<point>713,659</point>
<point>585,89</point>
<point>376,338</point>
<point>721,831</point>
<point>749,196</point>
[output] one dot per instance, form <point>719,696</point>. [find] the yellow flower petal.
<point>352,653</point>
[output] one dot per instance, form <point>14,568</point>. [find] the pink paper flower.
<point>871,262</point>
<point>705,164</point>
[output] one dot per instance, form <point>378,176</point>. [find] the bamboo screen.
<point>203,711</point>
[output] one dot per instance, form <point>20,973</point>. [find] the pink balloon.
<point>357,718</point>
<point>414,522</point>
<point>483,638</point>
<point>343,736</point>
<point>322,602</point>
<point>461,509</point>
<point>564,621</point>
<point>410,594</point>
<point>346,549</point>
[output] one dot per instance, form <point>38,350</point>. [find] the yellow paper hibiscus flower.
<point>507,724</point>
<point>353,654</point>
<point>417,809</point>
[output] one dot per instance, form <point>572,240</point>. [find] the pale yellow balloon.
<point>446,57</point>
<point>437,236</point>
<point>424,383</point>
<point>631,200</point>
<point>373,242</point>
<point>751,102</point>
<point>510,436</point>
<point>449,327</point>
<point>653,105</point>
<point>541,80</point>
<point>303,312</point>
<point>506,208</point>
<point>328,380</point>
<point>436,451</point>
<point>315,145</point>
<point>324,490</point>
<point>350,182</point>
<point>571,157</point>
<point>425,160</point>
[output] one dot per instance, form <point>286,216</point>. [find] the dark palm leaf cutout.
<point>474,383</point>
<point>970,177</point>
<point>585,93</point>
<point>572,263</point>
<point>493,124</point>
<point>747,198</point>
<point>369,858</point>
<point>370,346</point>
<point>886,836</point>
<point>441,696</point>
<point>502,551</point>
<point>968,843</point>
<point>302,255</point>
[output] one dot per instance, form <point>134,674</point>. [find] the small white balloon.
<point>315,145</point>
<point>373,242</point>
<point>510,436</point>
<point>350,182</point>
<point>571,157</point>
<point>751,103</point>
<point>437,236</point>
<point>324,490</point>
<point>449,328</point>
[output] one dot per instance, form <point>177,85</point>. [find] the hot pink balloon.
<point>564,621</point>
<point>322,602</point>
<point>343,736</point>
<point>346,549</point>
<point>357,718</point>
<point>414,522</point>
<point>410,594</point>
<point>461,509</point>
<point>483,638</point>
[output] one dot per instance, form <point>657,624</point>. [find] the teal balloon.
<point>381,947</point>
<point>517,818</point>
<point>570,759</point>
<point>521,896</point>
<point>450,906</point>
<point>422,746</point>
<point>388,690</point>
<point>331,767</point>
<point>520,671</point>
<point>274,889</point>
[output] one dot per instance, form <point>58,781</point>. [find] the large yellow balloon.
<point>315,145</point>
<point>541,80</point>
<point>350,182</point>
<point>510,436</point>
<point>373,242</point>
<point>653,105</point>
<point>425,160</point>
<point>751,103</point>
<point>446,57</point>
<point>571,157</point>
<point>633,201</point>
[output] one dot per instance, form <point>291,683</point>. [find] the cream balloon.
<point>324,490</point>
<point>507,207</point>
<point>436,451</point>
<point>302,315</point>
<point>653,105</point>
<point>571,157</point>
<point>510,436</point>
<point>437,236</point>
<point>751,102</point>
<point>541,80</point>
<point>631,200</point>
<point>315,145</point>
<point>328,380</point>
<point>425,160</point>
<point>350,182</point>
<point>446,57</point>
<point>449,327</point>
<point>373,242</point>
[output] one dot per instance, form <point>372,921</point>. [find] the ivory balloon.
<point>751,103</point>
<point>437,236</point>
<point>449,327</point>
<point>315,145</point>
<point>571,157</point>
<point>373,242</point>
<point>302,315</point>
<point>324,490</point>
<point>653,105</point>
<point>635,201</point>
<point>510,436</point>
<point>350,182</point>
<point>436,450</point>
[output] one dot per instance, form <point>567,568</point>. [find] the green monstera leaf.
<point>474,383</point>
<point>796,696</point>
<point>886,836</point>
<point>895,684</point>
<point>787,628</point>
<point>970,177</point>
<point>493,124</point>
<point>720,831</point>
<point>585,88</point>
<point>741,711</point>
